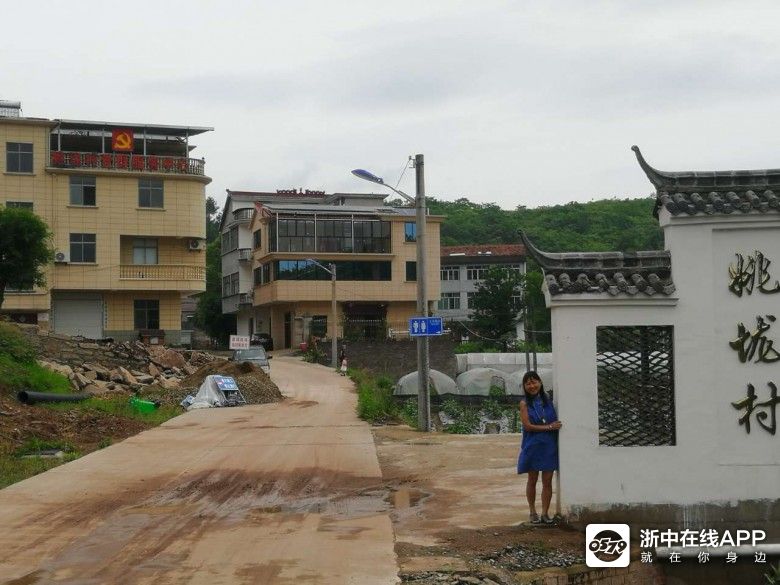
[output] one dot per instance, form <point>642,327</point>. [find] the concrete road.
<point>272,494</point>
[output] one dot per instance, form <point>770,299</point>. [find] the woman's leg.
<point>546,491</point>
<point>530,490</point>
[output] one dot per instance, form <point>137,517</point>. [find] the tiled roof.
<point>616,273</point>
<point>484,250</point>
<point>713,192</point>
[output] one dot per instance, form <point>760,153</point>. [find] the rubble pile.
<point>147,365</point>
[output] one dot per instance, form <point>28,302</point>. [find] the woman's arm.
<point>528,425</point>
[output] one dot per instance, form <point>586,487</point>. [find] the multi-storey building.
<point>373,247</point>
<point>126,206</point>
<point>462,267</point>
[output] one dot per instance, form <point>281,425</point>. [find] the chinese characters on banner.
<point>745,276</point>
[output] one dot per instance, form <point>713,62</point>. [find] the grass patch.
<point>375,396</point>
<point>120,406</point>
<point>14,469</point>
<point>31,376</point>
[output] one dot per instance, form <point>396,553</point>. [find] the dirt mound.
<point>253,382</point>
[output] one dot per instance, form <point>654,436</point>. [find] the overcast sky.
<point>517,103</point>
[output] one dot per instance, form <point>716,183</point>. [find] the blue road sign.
<point>425,326</point>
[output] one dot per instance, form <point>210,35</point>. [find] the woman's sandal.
<point>534,518</point>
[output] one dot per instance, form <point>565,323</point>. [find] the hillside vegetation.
<point>609,224</point>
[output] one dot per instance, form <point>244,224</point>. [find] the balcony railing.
<point>243,214</point>
<point>244,254</point>
<point>176,165</point>
<point>162,272</point>
<point>245,299</point>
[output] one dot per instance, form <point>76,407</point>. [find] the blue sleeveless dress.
<point>539,450</point>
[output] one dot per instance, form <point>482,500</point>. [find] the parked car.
<point>263,340</point>
<point>253,355</point>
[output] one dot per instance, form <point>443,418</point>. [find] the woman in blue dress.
<point>539,448</point>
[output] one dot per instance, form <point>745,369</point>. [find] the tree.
<point>213,218</point>
<point>25,249</point>
<point>497,302</point>
<point>208,314</point>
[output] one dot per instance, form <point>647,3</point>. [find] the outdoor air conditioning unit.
<point>61,257</point>
<point>196,244</point>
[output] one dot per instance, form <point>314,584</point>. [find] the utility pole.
<point>334,328</point>
<point>423,363</point>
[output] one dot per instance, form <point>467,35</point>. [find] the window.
<point>334,235</point>
<point>411,271</point>
<point>372,236</point>
<point>150,193</point>
<point>517,302</point>
<point>345,270</point>
<point>266,272</point>
<point>82,248</point>
<point>449,301</point>
<point>230,240</point>
<point>20,204</point>
<point>410,231</point>
<point>18,157</point>
<point>146,314</point>
<point>476,271</point>
<point>296,235</point>
<point>256,239</point>
<point>635,380</point>
<point>230,285</point>
<point>257,277</point>
<point>82,191</point>
<point>450,273</point>
<point>144,251</point>
<point>319,325</point>
<point>470,300</point>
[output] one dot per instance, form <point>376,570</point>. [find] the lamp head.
<point>367,176</point>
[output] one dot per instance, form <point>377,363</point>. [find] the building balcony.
<point>244,254</point>
<point>162,272</point>
<point>242,215</point>
<point>174,165</point>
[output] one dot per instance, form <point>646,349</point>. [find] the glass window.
<point>144,251</point>
<point>470,300</point>
<point>476,271</point>
<point>20,204</point>
<point>266,272</point>
<point>18,157</point>
<point>256,239</point>
<point>82,191</point>
<point>146,314</point>
<point>450,273</point>
<point>150,193</point>
<point>449,301</point>
<point>410,231</point>
<point>411,271</point>
<point>82,247</point>
<point>345,270</point>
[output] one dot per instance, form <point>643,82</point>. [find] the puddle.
<point>404,498</point>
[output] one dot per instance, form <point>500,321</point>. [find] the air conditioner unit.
<point>196,244</point>
<point>61,257</point>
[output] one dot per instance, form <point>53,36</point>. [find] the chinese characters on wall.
<point>747,275</point>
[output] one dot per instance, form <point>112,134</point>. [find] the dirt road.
<point>279,494</point>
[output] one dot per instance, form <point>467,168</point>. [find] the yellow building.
<point>126,206</point>
<point>373,248</point>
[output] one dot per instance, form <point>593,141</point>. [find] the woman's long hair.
<point>532,375</point>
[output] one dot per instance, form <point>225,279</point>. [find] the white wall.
<point>714,459</point>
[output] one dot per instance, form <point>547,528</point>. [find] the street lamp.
<point>423,365</point>
<point>333,336</point>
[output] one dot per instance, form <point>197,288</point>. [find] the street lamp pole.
<point>423,363</point>
<point>334,326</point>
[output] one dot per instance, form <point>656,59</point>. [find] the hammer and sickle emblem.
<point>123,141</point>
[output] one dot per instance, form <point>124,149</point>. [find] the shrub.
<point>497,392</point>
<point>476,347</point>
<point>467,423</point>
<point>492,408</point>
<point>14,344</point>
<point>375,399</point>
<point>451,407</point>
<point>409,412</point>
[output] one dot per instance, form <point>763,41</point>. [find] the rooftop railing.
<point>176,165</point>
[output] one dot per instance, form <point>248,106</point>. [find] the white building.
<point>665,366</point>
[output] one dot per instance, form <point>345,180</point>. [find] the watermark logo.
<point>607,545</point>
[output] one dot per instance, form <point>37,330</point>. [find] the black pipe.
<point>30,397</point>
